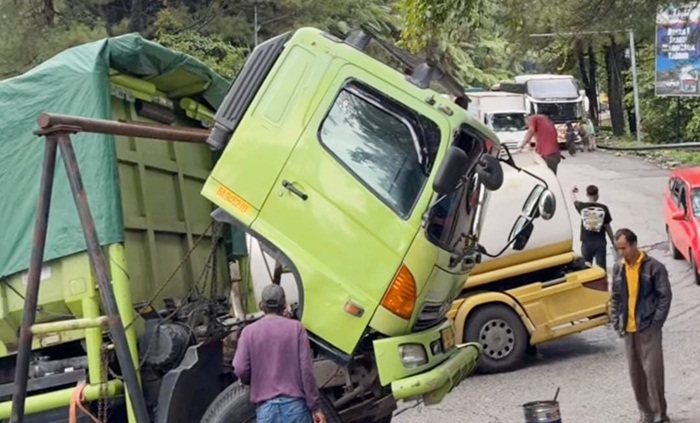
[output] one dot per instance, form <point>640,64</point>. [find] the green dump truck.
<point>367,185</point>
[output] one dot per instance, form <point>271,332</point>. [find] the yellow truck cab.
<point>522,298</point>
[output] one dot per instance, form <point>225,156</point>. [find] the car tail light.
<point>598,284</point>
<point>400,298</point>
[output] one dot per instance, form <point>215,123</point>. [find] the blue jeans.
<point>283,410</point>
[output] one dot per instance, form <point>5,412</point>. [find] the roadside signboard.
<point>678,50</point>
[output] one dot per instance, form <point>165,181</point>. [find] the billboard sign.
<point>678,50</point>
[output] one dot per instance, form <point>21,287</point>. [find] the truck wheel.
<point>233,405</point>
<point>672,248</point>
<point>501,333</point>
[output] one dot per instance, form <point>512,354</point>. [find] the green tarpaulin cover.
<point>75,82</point>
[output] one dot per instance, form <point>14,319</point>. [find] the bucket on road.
<point>542,412</point>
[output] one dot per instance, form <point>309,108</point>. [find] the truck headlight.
<point>413,355</point>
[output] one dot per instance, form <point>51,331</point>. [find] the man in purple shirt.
<point>274,357</point>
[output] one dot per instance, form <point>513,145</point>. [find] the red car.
<point>682,216</point>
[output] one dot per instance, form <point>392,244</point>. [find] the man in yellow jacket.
<point>641,300</point>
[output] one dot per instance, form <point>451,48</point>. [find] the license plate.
<point>448,339</point>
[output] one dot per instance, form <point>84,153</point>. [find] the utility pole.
<point>633,64</point>
<point>633,61</point>
<point>258,25</point>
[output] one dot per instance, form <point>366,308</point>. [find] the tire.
<point>233,405</point>
<point>694,267</point>
<point>498,324</point>
<point>672,248</point>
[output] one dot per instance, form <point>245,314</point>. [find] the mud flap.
<point>187,390</point>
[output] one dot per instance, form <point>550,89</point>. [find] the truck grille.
<point>244,88</point>
<point>432,314</point>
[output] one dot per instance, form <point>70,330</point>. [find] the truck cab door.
<point>348,202</point>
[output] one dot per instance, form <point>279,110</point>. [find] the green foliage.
<point>28,39</point>
<point>479,41</point>
<point>428,20</point>
<point>465,36</point>
<point>220,55</point>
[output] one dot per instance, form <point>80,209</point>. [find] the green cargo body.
<point>144,194</point>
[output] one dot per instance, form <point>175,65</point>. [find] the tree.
<point>221,56</point>
<point>34,30</point>
<point>465,36</point>
<point>427,20</point>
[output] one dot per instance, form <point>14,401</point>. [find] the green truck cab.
<point>371,188</point>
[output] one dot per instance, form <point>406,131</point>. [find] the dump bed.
<point>144,194</point>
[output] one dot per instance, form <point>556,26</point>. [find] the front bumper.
<point>445,367</point>
<point>435,384</point>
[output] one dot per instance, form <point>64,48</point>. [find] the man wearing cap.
<point>273,357</point>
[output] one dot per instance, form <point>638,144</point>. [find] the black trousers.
<point>595,251</point>
<point>553,161</point>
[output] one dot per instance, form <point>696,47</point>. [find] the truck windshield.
<point>564,88</point>
<point>509,122</point>
<point>559,112</point>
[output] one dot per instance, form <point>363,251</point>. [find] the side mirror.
<point>451,171</point>
<point>521,233</point>
<point>530,207</point>
<point>678,215</point>
<point>540,203</point>
<point>490,172</point>
<point>547,204</point>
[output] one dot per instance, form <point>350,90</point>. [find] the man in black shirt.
<point>595,224</point>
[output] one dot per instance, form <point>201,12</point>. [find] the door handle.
<point>294,190</point>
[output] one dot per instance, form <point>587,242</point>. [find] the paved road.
<point>591,368</point>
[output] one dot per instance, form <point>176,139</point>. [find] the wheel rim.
<point>497,338</point>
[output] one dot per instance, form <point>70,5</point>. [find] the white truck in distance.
<point>505,113</point>
<point>556,96</point>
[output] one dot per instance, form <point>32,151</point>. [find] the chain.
<point>102,404</point>
<point>217,234</point>
<point>208,266</point>
<point>171,277</point>
<point>196,289</point>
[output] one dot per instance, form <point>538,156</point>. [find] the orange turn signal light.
<point>400,298</point>
<point>353,309</point>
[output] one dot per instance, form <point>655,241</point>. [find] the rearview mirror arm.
<point>510,162</point>
<point>483,251</point>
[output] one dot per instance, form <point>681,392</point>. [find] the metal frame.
<point>57,130</point>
